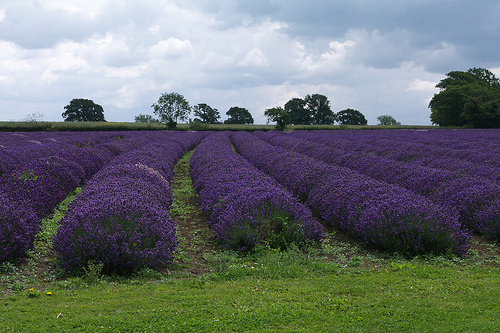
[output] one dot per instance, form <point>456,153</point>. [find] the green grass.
<point>265,294</point>
<point>336,287</point>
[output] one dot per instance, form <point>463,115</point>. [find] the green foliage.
<point>83,110</point>
<point>145,118</point>
<point>238,115</point>
<point>271,226</point>
<point>351,117</point>
<point>27,175</point>
<point>387,120</point>
<point>198,126</point>
<point>318,107</point>
<point>279,116</point>
<point>93,271</point>
<point>206,114</point>
<point>469,99</point>
<point>171,108</point>
<point>299,115</point>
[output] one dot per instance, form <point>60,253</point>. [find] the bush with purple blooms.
<point>464,193</point>
<point>487,220</point>
<point>246,207</point>
<point>120,219</point>
<point>383,216</point>
<point>18,227</point>
<point>42,168</point>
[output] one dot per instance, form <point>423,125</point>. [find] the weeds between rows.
<point>338,286</point>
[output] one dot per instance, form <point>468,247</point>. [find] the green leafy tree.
<point>238,115</point>
<point>171,108</point>
<point>145,118</point>
<point>299,115</point>
<point>387,120</point>
<point>278,115</point>
<point>351,117</point>
<point>318,107</point>
<point>206,114</point>
<point>80,109</point>
<point>469,99</point>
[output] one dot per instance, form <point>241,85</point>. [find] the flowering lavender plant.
<point>383,216</point>
<point>120,219</point>
<point>245,206</point>
<point>18,227</point>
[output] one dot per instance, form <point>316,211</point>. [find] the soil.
<point>196,238</point>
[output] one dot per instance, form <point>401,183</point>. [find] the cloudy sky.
<point>378,57</point>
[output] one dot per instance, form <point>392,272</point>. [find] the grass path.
<point>196,239</point>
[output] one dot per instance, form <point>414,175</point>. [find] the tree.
<point>351,117</point>
<point>469,99</point>
<point>387,120</point>
<point>145,118</point>
<point>299,115</point>
<point>206,114</point>
<point>83,110</point>
<point>280,116</point>
<point>238,115</point>
<point>34,117</point>
<point>318,107</point>
<point>171,108</point>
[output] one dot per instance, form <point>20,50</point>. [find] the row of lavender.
<point>17,149</point>
<point>38,182</point>
<point>245,206</point>
<point>476,199</point>
<point>466,151</point>
<point>120,219</point>
<point>383,216</point>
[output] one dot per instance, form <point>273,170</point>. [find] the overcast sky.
<point>378,57</point>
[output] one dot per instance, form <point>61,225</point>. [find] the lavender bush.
<point>383,216</point>
<point>18,227</point>
<point>45,167</point>
<point>458,191</point>
<point>120,219</point>
<point>246,207</point>
<point>121,223</point>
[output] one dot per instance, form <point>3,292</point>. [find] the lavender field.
<point>413,192</point>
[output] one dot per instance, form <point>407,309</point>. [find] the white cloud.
<point>171,48</point>
<point>125,54</point>
<point>496,70</point>
<point>254,57</point>
<point>421,85</point>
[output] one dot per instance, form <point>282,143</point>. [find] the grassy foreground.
<point>278,292</point>
<point>338,287</point>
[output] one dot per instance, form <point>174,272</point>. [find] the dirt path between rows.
<point>196,239</point>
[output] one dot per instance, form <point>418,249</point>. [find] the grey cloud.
<point>31,26</point>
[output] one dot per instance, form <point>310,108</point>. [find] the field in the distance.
<point>339,285</point>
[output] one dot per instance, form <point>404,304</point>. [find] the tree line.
<point>312,110</point>
<point>466,99</point>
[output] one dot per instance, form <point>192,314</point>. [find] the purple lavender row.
<point>43,182</point>
<point>18,149</point>
<point>35,188</point>
<point>120,219</point>
<point>470,196</point>
<point>383,216</point>
<point>32,192</point>
<point>245,206</point>
<point>481,158</point>
<point>468,156</point>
